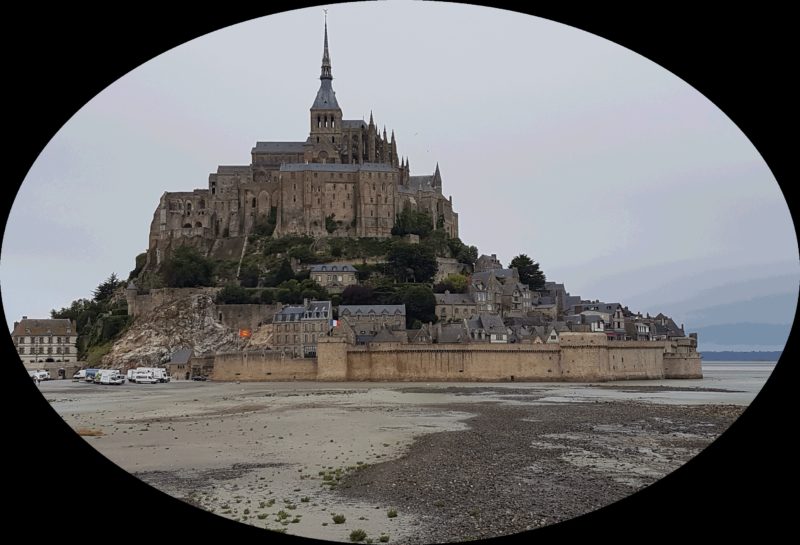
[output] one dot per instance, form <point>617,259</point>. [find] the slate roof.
<point>321,307</point>
<point>453,299</point>
<point>353,124</point>
<point>326,97</point>
<point>503,274</point>
<point>482,276</point>
<point>452,333</point>
<point>279,147</point>
<point>233,169</point>
<point>57,326</point>
<point>181,356</point>
<point>290,314</point>
<point>388,336</point>
<point>332,268</point>
<point>336,167</point>
<point>491,323</point>
<point>378,310</point>
<point>509,287</point>
<point>297,313</point>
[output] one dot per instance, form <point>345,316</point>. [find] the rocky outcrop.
<point>181,322</point>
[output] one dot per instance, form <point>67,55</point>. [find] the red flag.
<point>244,333</point>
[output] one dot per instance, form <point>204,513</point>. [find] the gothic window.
<point>198,225</point>
<point>319,124</point>
<point>333,140</point>
<point>188,207</point>
<point>253,204</point>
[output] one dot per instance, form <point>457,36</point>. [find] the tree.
<point>454,283</point>
<point>284,273</point>
<point>266,297</point>
<point>233,295</point>
<point>357,295</point>
<point>104,291</point>
<point>330,223</point>
<point>411,262</point>
<point>187,268</point>
<point>411,222</point>
<point>420,304</point>
<point>248,275</point>
<point>529,272</point>
<point>462,252</point>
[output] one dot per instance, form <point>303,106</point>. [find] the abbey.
<point>345,180</point>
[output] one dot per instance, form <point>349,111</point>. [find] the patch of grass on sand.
<point>358,535</point>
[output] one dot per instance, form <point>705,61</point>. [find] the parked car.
<point>199,377</point>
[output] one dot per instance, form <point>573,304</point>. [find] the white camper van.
<point>110,376</point>
<point>158,373</point>
<point>80,375</point>
<point>143,376</point>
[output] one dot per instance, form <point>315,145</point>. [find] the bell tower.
<point>326,116</point>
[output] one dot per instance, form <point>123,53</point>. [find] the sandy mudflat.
<point>456,461</point>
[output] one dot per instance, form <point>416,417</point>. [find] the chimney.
<point>305,302</point>
<point>16,324</point>
<point>24,317</point>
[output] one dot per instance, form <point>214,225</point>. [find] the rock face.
<point>183,322</point>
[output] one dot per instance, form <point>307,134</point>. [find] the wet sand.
<point>455,461</point>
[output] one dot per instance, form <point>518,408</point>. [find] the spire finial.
<point>326,58</point>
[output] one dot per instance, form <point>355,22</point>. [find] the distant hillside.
<point>741,356</point>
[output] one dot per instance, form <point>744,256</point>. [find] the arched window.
<point>253,204</point>
<point>188,206</point>
<point>187,226</point>
<point>202,204</point>
<point>198,225</point>
<point>319,122</point>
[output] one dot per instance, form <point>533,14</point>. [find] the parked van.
<point>80,375</point>
<point>110,376</point>
<point>158,373</point>
<point>89,374</point>
<point>39,374</point>
<point>144,377</point>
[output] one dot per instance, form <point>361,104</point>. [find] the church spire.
<point>326,97</point>
<point>326,58</point>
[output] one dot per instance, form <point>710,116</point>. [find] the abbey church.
<point>345,179</point>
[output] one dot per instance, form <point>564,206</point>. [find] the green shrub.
<point>391,513</point>
<point>358,535</point>
<point>339,519</point>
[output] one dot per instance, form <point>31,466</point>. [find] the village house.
<point>297,328</point>
<point>334,278</point>
<point>369,319</point>
<point>487,263</point>
<point>454,306</point>
<point>516,299</point>
<point>487,291</point>
<point>46,340</point>
<point>487,328</point>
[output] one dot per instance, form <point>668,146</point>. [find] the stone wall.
<point>579,357</point>
<point>264,365</point>
<point>245,316</point>
<point>145,304</point>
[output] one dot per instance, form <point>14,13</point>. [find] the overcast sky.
<point>602,166</point>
